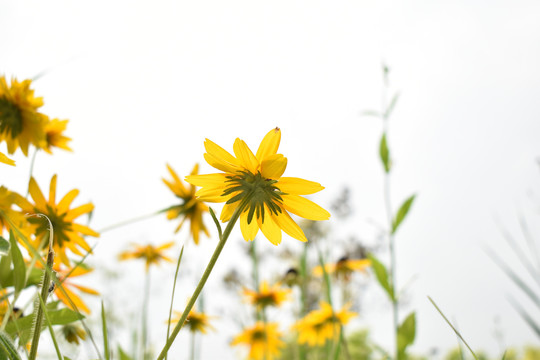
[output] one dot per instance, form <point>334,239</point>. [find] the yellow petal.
<point>297,186</point>
<point>272,167</point>
<point>4,159</point>
<point>52,191</point>
<point>228,210</point>
<point>269,228</point>
<point>220,158</point>
<point>36,194</point>
<point>304,208</point>
<point>84,230</point>
<point>288,225</point>
<point>207,180</point>
<point>249,231</point>
<point>78,211</point>
<point>269,145</point>
<point>221,165</point>
<point>66,201</point>
<point>245,156</point>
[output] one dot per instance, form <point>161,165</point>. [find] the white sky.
<point>144,83</point>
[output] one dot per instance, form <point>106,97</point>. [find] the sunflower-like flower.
<point>264,341</point>
<point>7,200</point>
<point>72,333</point>
<point>267,296</point>
<point>195,321</point>
<point>321,325</point>
<point>254,182</point>
<point>54,136</point>
<point>67,295</point>
<point>20,122</point>
<point>190,208</point>
<point>4,159</point>
<point>344,267</point>
<point>67,234</point>
<point>150,253</point>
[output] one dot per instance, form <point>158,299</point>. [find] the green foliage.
<point>19,268</point>
<point>406,334</point>
<point>384,153</point>
<point>122,354</point>
<point>391,106</point>
<point>382,276</point>
<point>402,213</point>
<point>4,246</point>
<point>7,348</point>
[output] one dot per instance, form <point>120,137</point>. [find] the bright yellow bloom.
<point>191,208</point>
<point>7,200</point>
<point>267,296</point>
<point>150,253</point>
<point>256,181</point>
<point>72,333</point>
<point>68,294</point>
<point>20,122</point>
<point>54,136</point>
<point>195,321</point>
<point>344,267</point>
<point>67,234</point>
<point>321,325</point>
<point>263,340</point>
<point>4,159</point>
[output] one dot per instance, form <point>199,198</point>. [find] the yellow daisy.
<point>196,321</point>
<point>263,340</point>
<point>67,234</point>
<point>150,253</point>
<point>7,200</point>
<point>267,296</point>
<point>4,159</point>
<point>20,122</point>
<point>255,183</point>
<point>344,267</point>
<point>54,135</point>
<point>68,294</point>
<point>191,208</point>
<point>321,325</point>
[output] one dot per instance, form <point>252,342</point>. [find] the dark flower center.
<point>10,118</point>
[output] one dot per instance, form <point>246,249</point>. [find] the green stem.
<point>173,291</point>
<point>144,336</point>
<point>205,276</point>
<point>259,311</point>
<point>31,169</point>
<point>132,220</point>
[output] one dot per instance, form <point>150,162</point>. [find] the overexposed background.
<point>143,83</point>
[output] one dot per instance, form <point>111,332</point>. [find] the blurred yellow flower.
<point>344,267</point>
<point>67,234</point>
<point>72,333</point>
<point>65,296</point>
<point>263,340</point>
<point>191,208</point>
<point>20,122</point>
<point>267,296</point>
<point>196,321</point>
<point>7,200</point>
<point>321,325</point>
<point>150,253</point>
<point>255,182</point>
<point>54,135</point>
<point>4,159</point>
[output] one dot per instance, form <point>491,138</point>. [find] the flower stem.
<point>144,340</point>
<point>205,276</point>
<point>132,220</point>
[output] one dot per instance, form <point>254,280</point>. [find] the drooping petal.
<point>4,159</point>
<point>272,167</point>
<point>249,231</point>
<point>304,208</point>
<point>269,145</point>
<point>291,228</point>
<point>269,228</point>
<point>297,186</point>
<point>245,156</point>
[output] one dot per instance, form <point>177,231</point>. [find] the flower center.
<point>10,118</point>
<point>259,192</point>
<point>60,226</point>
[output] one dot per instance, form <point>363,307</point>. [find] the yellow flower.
<point>20,122</point>
<point>321,325</point>
<point>344,267</point>
<point>263,340</point>
<point>196,321</point>
<point>54,136</point>
<point>191,208</point>
<point>267,296</point>
<point>255,181</point>
<point>150,253</point>
<point>4,159</point>
<point>68,294</point>
<point>72,333</point>
<point>7,200</point>
<point>67,234</point>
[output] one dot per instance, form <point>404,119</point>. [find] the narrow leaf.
<point>216,221</point>
<point>528,319</point>
<point>122,354</point>
<point>382,276</point>
<point>402,213</point>
<point>7,347</point>
<point>406,334</point>
<point>391,106</point>
<point>19,268</point>
<point>4,246</point>
<point>105,333</point>
<point>384,153</point>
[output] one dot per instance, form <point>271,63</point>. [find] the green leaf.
<point>23,326</point>
<point>4,246</point>
<point>406,334</point>
<point>7,347</point>
<point>391,106</point>
<point>382,276</point>
<point>122,354</point>
<point>402,212</point>
<point>384,153</point>
<point>105,332</point>
<point>19,267</point>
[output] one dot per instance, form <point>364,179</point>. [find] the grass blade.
<point>105,333</point>
<point>534,326</point>
<point>174,284</point>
